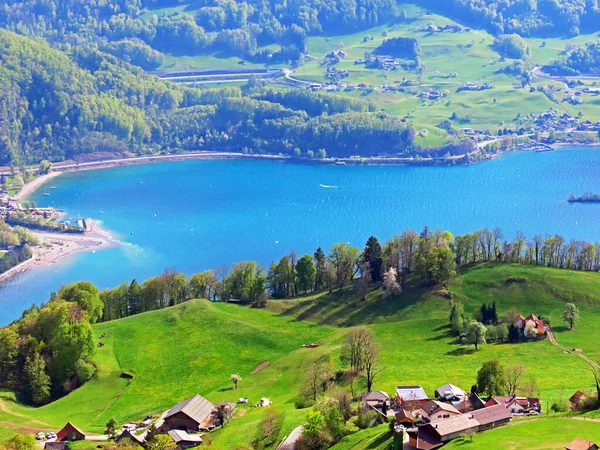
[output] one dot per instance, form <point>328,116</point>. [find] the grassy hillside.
<point>195,346</point>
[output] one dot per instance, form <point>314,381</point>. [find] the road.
<point>590,361</point>
<point>290,442</point>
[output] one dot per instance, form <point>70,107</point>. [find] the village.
<point>421,422</point>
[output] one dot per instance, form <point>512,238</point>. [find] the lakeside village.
<point>15,212</point>
<point>418,421</point>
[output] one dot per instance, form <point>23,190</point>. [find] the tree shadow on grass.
<point>443,327</point>
<point>377,443</point>
<point>461,351</point>
<point>439,337</point>
<point>560,329</point>
<point>225,389</point>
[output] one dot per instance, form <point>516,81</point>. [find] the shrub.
<point>367,419</point>
<point>303,402</point>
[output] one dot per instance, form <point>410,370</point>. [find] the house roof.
<point>577,396</point>
<point>455,424</point>
<point>432,405</point>
<point>375,396</point>
<point>427,440</point>
<point>196,408</point>
<point>470,403</point>
<point>449,391</point>
<point>404,414</point>
<point>491,414</point>
<point>581,444</point>
<point>181,436</point>
<point>62,434</point>
<point>411,393</point>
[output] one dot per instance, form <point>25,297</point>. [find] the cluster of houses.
<point>537,325</point>
<point>431,423</point>
<point>472,86</point>
<point>450,28</point>
<point>564,122</point>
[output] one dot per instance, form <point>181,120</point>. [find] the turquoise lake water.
<point>210,213</point>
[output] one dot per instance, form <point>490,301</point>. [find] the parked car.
<point>39,436</point>
<point>50,435</point>
<point>148,417</point>
<point>243,400</point>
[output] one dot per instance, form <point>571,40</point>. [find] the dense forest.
<point>121,27</point>
<point>46,354</point>
<point>57,105</point>
<point>525,17</point>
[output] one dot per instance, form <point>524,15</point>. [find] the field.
<point>194,347</point>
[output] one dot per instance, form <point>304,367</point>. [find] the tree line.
<point>430,258</point>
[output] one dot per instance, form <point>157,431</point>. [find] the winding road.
<point>590,361</point>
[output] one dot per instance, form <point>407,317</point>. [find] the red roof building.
<point>70,433</point>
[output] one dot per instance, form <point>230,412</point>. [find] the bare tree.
<point>371,361</point>
<point>365,278</point>
<point>513,376</point>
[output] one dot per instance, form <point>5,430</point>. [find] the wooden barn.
<point>70,433</point>
<point>188,415</point>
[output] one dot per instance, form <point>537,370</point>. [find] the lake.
<point>196,215</point>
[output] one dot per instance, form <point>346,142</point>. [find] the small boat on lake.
<point>47,194</point>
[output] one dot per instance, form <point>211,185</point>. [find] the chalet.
<point>434,411</point>
<point>450,393</point>
<point>581,444</point>
<point>377,400</point>
<point>576,398</point>
<point>184,440</point>
<point>517,405</point>
<point>410,396</point>
<point>436,434</point>
<point>70,433</point>
<point>188,415</point>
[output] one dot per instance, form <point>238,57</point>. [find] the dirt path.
<point>587,359</point>
<point>260,367</point>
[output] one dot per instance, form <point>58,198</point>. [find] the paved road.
<point>290,442</point>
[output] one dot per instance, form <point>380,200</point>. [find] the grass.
<point>194,347</point>
<point>531,435</point>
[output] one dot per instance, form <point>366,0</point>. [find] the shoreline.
<point>54,247</point>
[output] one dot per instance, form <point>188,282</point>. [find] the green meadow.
<point>195,346</point>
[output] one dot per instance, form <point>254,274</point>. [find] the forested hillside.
<point>55,106</point>
<point>121,27</point>
<point>525,17</point>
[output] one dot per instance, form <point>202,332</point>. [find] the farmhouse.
<point>472,402</point>
<point>450,393</point>
<point>436,434</point>
<point>70,433</point>
<point>581,444</point>
<point>434,411</point>
<point>62,445</point>
<point>377,400</point>
<point>185,440</point>
<point>576,398</point>
<point>521,322</point>
<point>517,405</point>
<point>410,396</point>
<point>129,435</point>
<point>188,415</point>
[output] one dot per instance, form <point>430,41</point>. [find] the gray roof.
<point>181,436</point>
<point>449,391</point>
<point>491,414</point>
<point>432,405</point>
<point>196,408</point>
<point>375,396</point>
<point>411,393</point>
